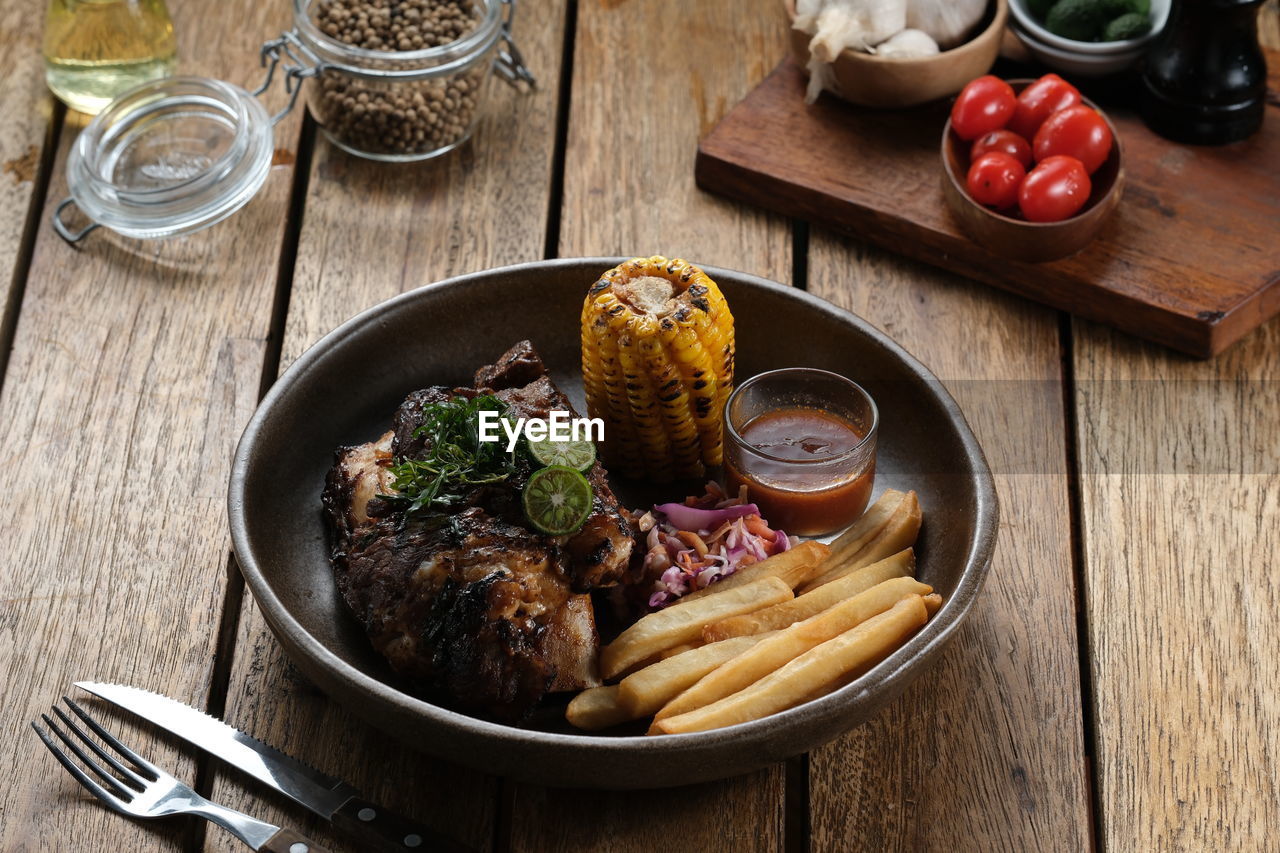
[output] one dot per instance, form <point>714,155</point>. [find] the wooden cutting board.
<point>1191,258</point>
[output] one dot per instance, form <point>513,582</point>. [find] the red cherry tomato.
<point>1077,132</point>
<point>994,179</point>
<point>1040,100</point>
<point>1054,190</point>
<point>1004,141</point>
<point>985,104</point>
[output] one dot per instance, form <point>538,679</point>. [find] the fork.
<point>146,791</point>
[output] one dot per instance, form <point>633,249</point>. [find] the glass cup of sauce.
<point>803,440</point>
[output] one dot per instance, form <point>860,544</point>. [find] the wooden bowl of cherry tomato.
<point>1032,169</point>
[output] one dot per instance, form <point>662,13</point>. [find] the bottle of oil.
<point>96,49</point>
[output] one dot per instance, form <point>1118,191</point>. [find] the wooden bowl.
<point>1019,239</point>
<point>873,81</point>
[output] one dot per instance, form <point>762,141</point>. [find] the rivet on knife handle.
<point>374,825</point>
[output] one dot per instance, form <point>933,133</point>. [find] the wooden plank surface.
<point>639,103</point>
<point>649,80</point>
<point>134,368</point>
<point>28,109</point>
<point>1179,477</point>
<point>485,205</point>
<point>1208,211</point>
<point>984,751</point>
<point>1180,510</point>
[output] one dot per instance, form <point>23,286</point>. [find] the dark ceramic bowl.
<point>344,390</point>
<point>1019,239</point>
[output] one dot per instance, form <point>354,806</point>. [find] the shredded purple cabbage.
<point>701,520</point>
<point>691,547</point>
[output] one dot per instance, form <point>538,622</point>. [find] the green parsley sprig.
<point>454,460</point>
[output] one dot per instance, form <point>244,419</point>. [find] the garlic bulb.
<point>806,13</point>
<point>898,29</point>
<point>947,22</point>
<point>858,24</point>
<point>907,44</point>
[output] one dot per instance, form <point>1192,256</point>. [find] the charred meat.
<point>471,605</point>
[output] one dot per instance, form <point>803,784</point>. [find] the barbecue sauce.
<point>795,490</point>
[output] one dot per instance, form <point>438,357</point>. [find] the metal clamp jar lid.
<point>177,155</point>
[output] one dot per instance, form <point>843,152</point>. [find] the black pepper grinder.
<point>1205,79</point>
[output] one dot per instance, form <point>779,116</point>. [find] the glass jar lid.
<point>169,157</point>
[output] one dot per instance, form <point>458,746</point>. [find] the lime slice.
<point>578,455</point>
<point>557,500</point>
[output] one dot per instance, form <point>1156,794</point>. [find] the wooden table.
<point>1116,686</point>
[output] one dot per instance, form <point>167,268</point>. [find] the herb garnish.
<point>454,460</point>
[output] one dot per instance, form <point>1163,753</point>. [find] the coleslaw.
<point>693,544</point>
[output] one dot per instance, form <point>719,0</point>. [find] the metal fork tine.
<point>128,774</point>
<point>83,778</point>
<point>159,797</point>
<point>138,761</point>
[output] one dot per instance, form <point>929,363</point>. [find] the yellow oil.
<point>96,49</point>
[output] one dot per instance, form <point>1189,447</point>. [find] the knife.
<point>334,800</point>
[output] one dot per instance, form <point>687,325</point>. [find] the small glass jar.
<point>169,158</point>
<point>803,441</point>
<point>401,105</point>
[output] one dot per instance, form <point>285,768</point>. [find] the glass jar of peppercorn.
<point>403,79</point>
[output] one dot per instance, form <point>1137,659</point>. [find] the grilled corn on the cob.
<point>657,363</point>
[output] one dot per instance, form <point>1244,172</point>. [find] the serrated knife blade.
<point>330,798</point>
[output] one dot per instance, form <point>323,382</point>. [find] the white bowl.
<point>1025,21</point>
<point>1074,63</point>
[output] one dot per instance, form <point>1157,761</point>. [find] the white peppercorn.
<point>396,117</point>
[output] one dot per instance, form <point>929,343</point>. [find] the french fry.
<point>808,675</point>
<point>596,708</point>
<point>684,623</point>
<point>786,645</point>
<point>812,603</point>
<point>646,690</point>
<point>898,533</point>
<point>932,603</point>
<point>794,566</point>
<point>864,529</point>
<point>678,650</point>
<point>602,707</point>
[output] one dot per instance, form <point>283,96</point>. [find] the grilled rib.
<point>476,609</point>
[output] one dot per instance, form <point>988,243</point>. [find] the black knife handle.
<point>381,829</point>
